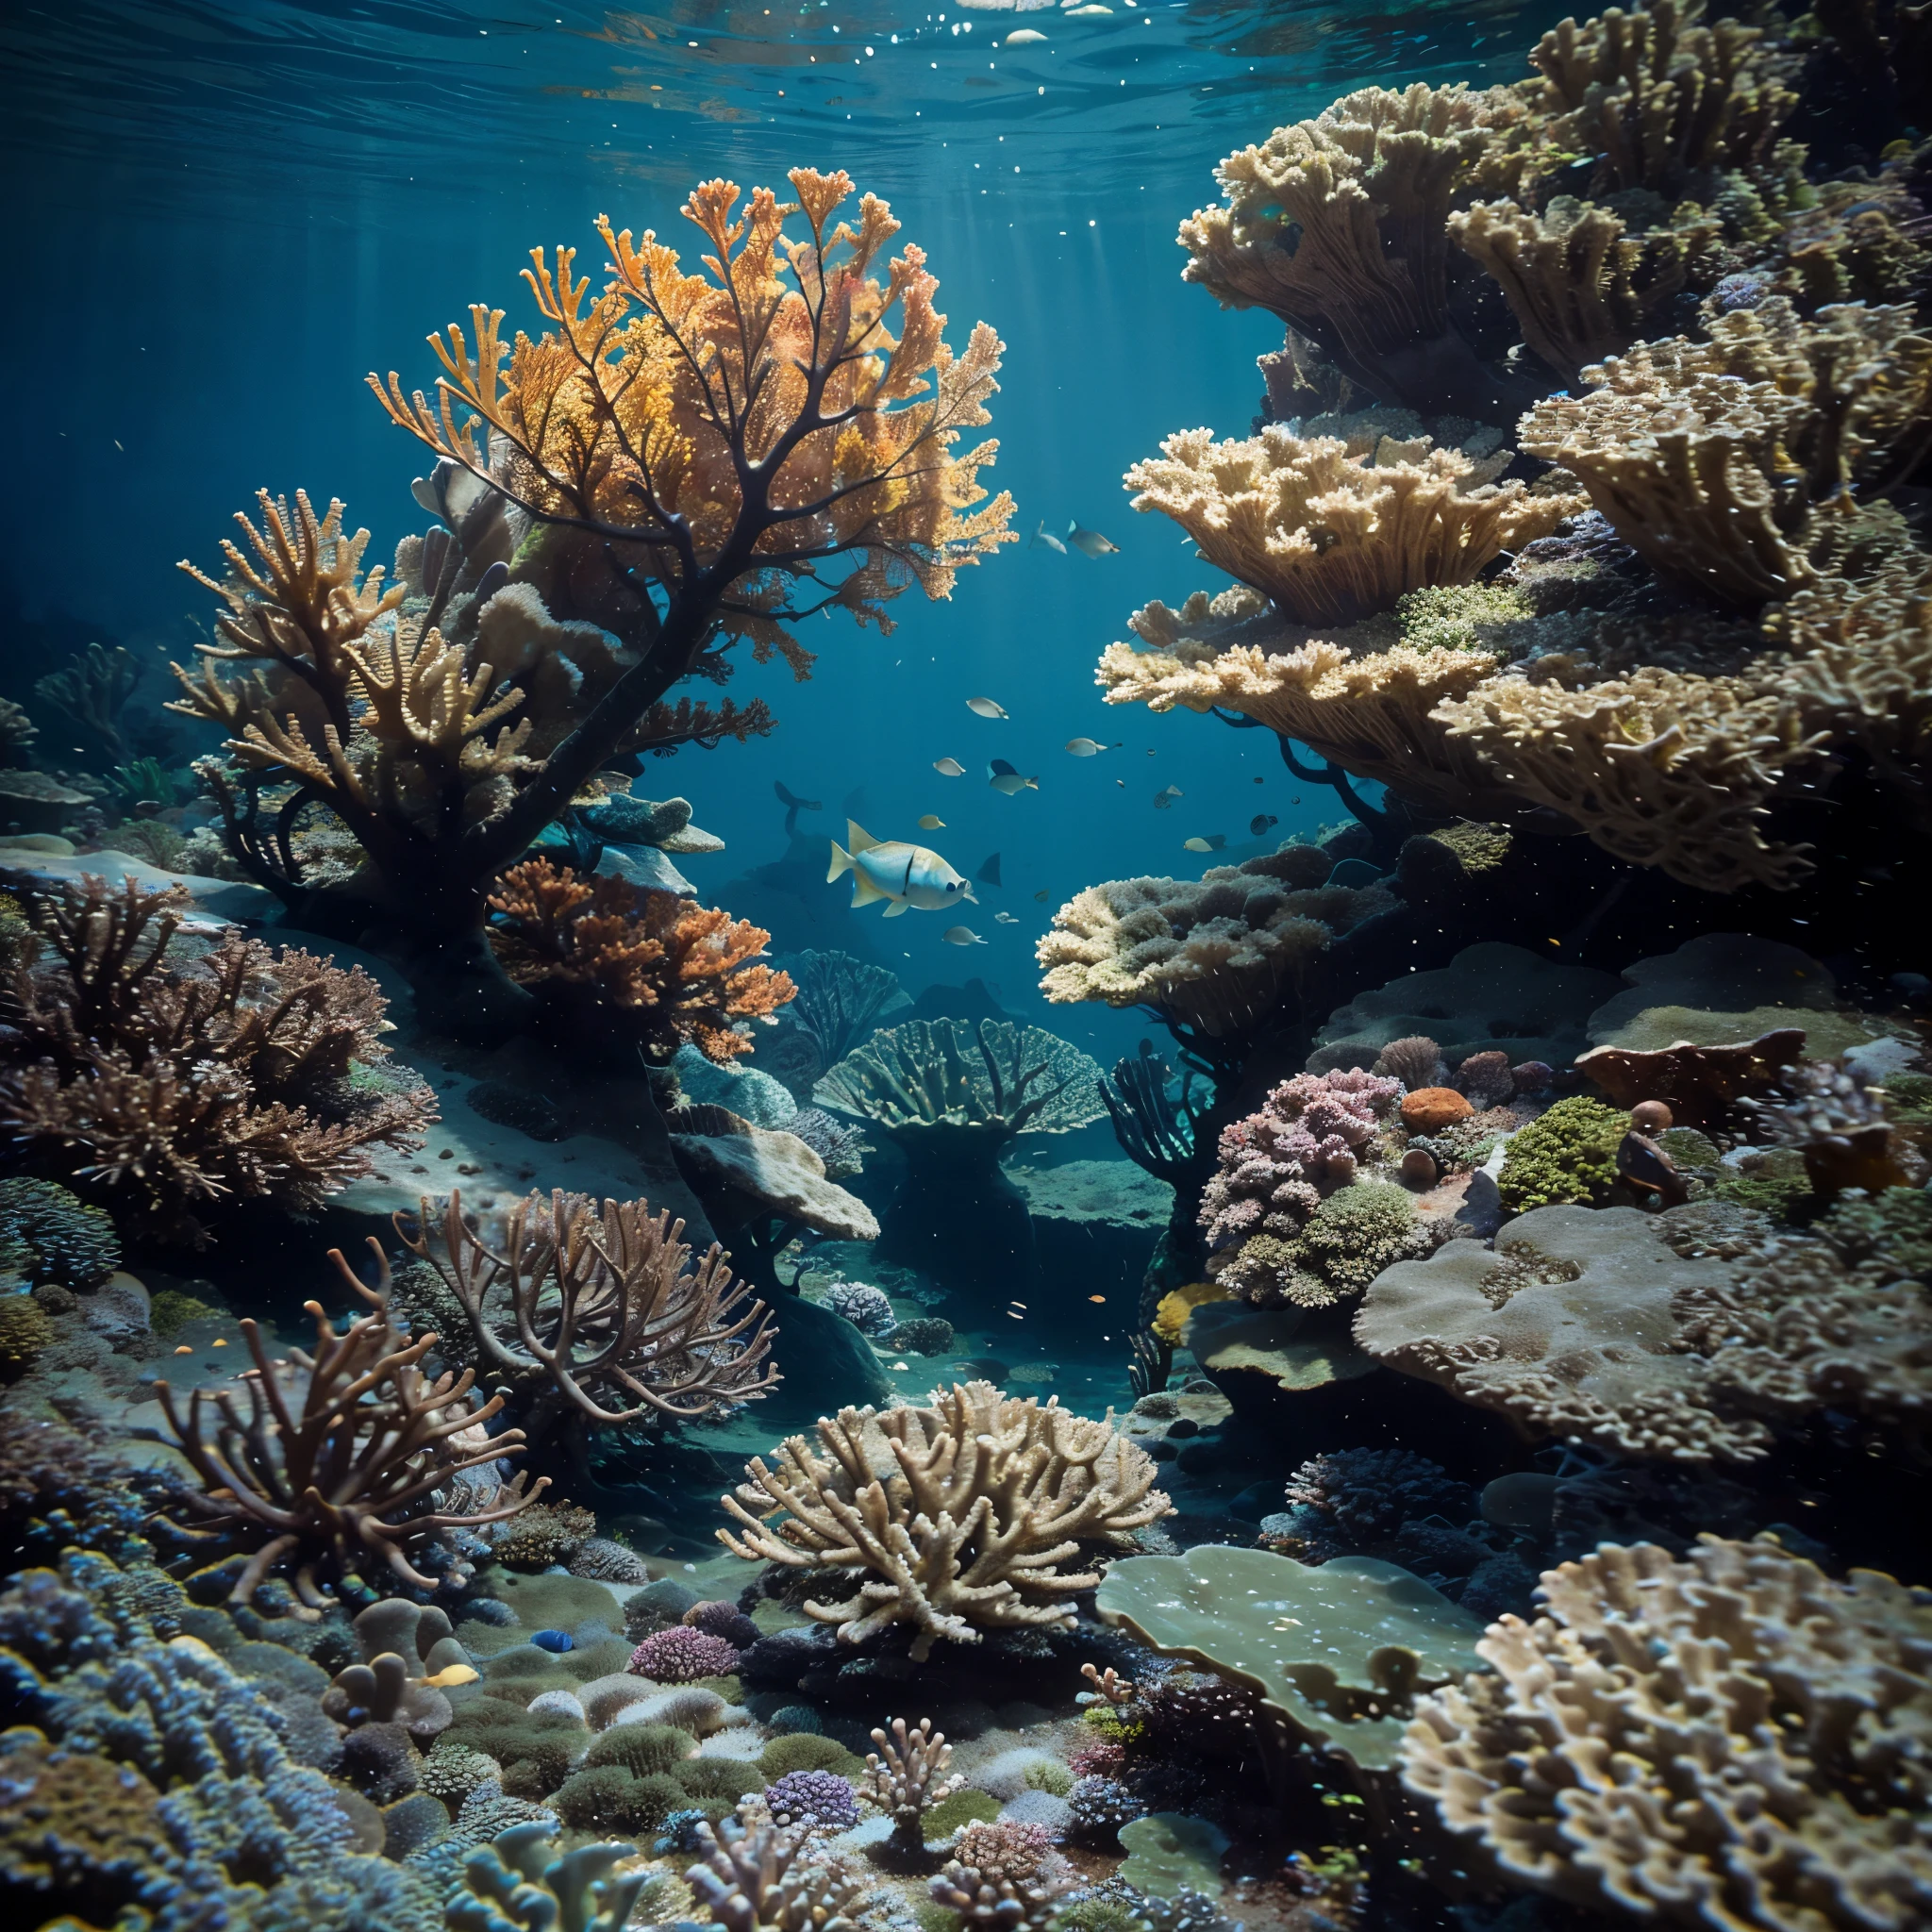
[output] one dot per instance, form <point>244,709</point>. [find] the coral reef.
<point>1782,1814</point>
<point>171,1082</point>
<point>956,1518</point>
<point>677,972</point>
<point>1568,1154</point>
<point>681,1654</point>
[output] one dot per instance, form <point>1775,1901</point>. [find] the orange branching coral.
<point>693,458</point>
<point>686,970</point>
<point>175,1082</point>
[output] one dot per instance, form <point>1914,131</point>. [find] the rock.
<point>825,1363</point>
<point>211,903</point>
<point>768,1172</point>
<point>119,1310</point>
<point>647,868</point>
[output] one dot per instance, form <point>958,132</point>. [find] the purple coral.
<point>866,1308</point>
<point>1278,1164</point>
<point>678,1655</point>
<point>717,1619</point>
<point>821,1799</point>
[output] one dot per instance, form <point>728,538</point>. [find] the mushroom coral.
<point>950,1096</point>
<point>1764,1719</point>
<point>603,463</point>
<point>954,1520</point>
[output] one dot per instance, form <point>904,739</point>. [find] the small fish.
<point>1042,898</point>
<point>988,873</point>
<point>962,935</point>
<point>1213,843</point>
<point>1044,538</point>
<point>1090,543</point>
<point>556,1641</point>
<point>949,768</point>
<point>931,821</point>
<point>1006,778</point>
<point>1164,798</point>
<point>452,1674</point>
<point>1004,919</point>
<point>1122,783</point>
<point>907,875</point>
<point>1257,824</point>
<point>985,708</point>
<point>1090,747</point>
<point>1025,37</point>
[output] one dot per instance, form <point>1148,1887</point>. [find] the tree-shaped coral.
<point>653,969</point>
<point>721,452</point>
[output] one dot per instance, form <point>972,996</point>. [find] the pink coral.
<point>1278,1164</point>
<point>680,1653</point>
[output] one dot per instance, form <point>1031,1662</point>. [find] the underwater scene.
<point>966,970</point>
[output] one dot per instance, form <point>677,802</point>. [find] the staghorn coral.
<point>1331,532</point>
<point>1337,225</point>
<point>1728,464</point>
<point>1276,1167</point>
<point>680,973</point>
<point>519,1880</point>
<point>1211,957</point>
<point>1787,1809</point>
<point>342,1462</point>
<point>172,1084</point>
<point>906,1777</point>
<point>751,1880</point>
<point>956,1517</point>
<point>595,1312</point>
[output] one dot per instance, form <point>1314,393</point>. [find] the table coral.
<point>179,1081</point>
<point>1729,1738</point>
<point>1209,956</point>
<point>675,972</point>
<point>956,1518</point>
<point>1331,532</point>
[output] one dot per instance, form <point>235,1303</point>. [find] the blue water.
<point>221,217</point>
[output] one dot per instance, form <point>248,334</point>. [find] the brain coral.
<point>1732,1739</point>
<point>1211,954</point>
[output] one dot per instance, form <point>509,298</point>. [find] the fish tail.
<point>841,863</point>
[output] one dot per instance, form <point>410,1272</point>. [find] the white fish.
<point>1004,919</point>
<point>1090,747</point>
<point>959,936</point>
<point>932,823</point>
<point>985,708</point>
<point>1024,37</point>
<point>909,876</point>
<point>1090,542</point>
<point>1213,842</point>
<point>949,768</point>
<point>1006,778</point>
<point>1044,538</point>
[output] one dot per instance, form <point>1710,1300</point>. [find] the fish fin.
<point>863,892</point>
<point>894,910</point>
<point>970,893</point>
<point>859,837</point>
<point>842,861</point>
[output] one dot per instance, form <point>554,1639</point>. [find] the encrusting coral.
<point>956,1518</point>
<point>1763,1719</point>
<point>169,1082</point>
<point>677,972</point>
<point>617,480</point>
<point>337,1469</point>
